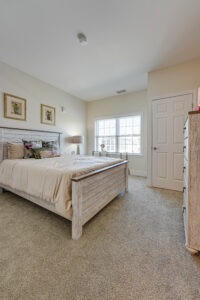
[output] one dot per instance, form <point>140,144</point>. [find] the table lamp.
<point>77,139</point>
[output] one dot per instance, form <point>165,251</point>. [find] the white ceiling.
<point>126,40</point>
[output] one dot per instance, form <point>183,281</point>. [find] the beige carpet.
<point>133,249</point>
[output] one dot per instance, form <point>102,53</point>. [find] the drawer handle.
<point>184,188</point>
<point>184,128</point>
<point>184,169</point>
<point>184,147</point>
<point>183,209</point>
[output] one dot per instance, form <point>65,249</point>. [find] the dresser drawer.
<point>185,129</point>
<point>185,213</point>
<point>185,220</point>
<point>185,197</point>
<point>185,173</point>
<point>185,148</point>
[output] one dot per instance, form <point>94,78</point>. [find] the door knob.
<point>184,208</point>
<point>155,148</point>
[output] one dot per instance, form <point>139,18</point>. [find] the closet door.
<point>169,115</point>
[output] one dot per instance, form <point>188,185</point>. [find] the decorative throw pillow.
<point>32,149</point>
<point>45,154</point>
<point>49,149</point>
<point>15,151</point>
<point>50,145</point>
<point>49,153</point>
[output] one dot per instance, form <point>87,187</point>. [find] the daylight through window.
<point>121,134</point>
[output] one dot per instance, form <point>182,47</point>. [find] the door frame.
<point>150,127</point>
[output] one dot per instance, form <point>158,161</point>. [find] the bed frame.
<point>90,192</point>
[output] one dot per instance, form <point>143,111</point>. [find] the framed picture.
<point>14,107</point>
<point>48,114</point>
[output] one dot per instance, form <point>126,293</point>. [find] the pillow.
<point>32,149</point>
<point>49,153</point>
<point>15,151</point>
<point>49,149</point>
<point>32,144</point>
<point>49,145</point>
<point>45,154</point>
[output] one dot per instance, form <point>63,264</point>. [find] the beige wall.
<point>123,104</point>
<point>72,122</point>
<point>175,79</point>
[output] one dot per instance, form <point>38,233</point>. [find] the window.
<point>121,134</point>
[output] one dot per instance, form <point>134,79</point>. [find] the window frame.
<point>117,131</point>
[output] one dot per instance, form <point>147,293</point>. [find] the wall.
<point>123,104</point>
<point>72,122</point>
<point>176,79</point>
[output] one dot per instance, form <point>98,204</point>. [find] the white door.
<point>169,115</point>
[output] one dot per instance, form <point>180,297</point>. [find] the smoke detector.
<point>82,39</point>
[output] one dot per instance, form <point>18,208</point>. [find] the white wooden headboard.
<point>16,135</point>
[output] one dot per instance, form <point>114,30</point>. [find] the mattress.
<point>50,179</point>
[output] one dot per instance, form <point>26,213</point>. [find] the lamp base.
<point>78,150</point>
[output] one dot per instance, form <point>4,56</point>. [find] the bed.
<point>89,183</point>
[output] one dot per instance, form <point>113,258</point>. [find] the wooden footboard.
<point>93,191</point>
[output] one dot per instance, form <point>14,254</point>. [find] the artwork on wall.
<point>14,107</point>
<point>48,114</point>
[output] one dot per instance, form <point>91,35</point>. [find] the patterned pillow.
<point>32,149</point>
<point>49,145</point>
<point>49,149</point>
<point>49,153</point>
<point>45,154</point>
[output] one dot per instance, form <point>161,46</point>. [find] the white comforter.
<point>49,179</point>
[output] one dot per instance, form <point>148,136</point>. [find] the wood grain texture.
<point>101,189</point>
<point>90,174</point>
<point>90,194</point>
<point>77,210</point>
<point>195,112</point>
<point>192,184</point>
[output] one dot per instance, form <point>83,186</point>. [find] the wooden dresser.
<point>191,190</point>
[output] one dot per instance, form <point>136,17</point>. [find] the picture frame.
<point>14,107</point>
<point>48,115</point>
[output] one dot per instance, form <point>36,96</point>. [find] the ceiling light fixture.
<point>82,38</point>
<point>121,91</point>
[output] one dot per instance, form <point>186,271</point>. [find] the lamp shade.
<point>77,139</point>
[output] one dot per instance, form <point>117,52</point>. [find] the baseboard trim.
<point>138,173</point>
